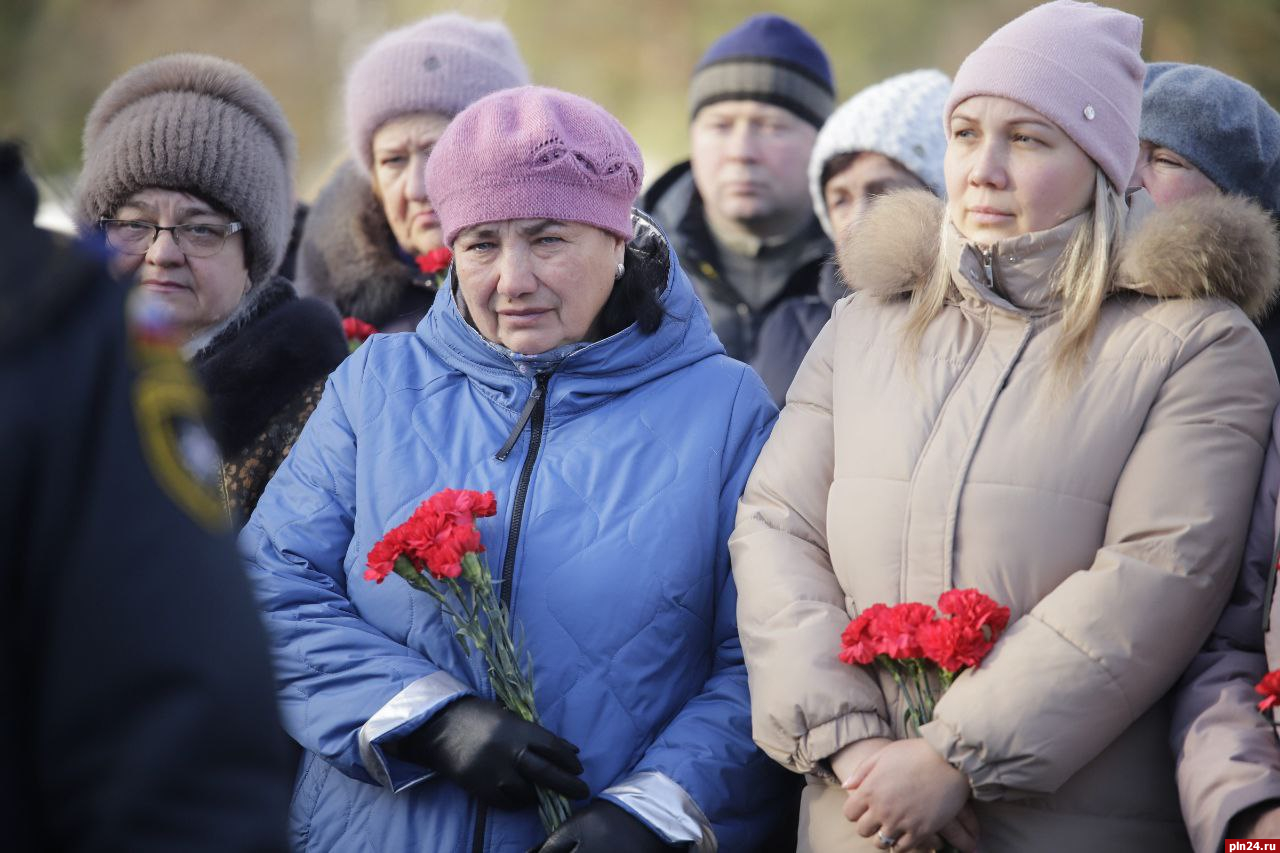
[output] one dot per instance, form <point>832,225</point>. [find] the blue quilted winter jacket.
<point>615,504</point>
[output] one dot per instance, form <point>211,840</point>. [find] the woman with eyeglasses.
<point>187,175</point>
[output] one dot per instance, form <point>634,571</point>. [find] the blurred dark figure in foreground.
<point>138,710</point>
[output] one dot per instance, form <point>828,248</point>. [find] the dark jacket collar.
<point>674,201</point>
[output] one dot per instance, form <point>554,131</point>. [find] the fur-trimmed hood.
<point>269,351</point>
<point>348,257</point>
<point>1211,247</point>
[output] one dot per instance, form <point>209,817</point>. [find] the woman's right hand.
<point>494,755</point>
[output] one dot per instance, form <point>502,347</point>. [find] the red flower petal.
<point>435,260</point>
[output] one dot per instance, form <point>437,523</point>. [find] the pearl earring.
<point>621,269</point>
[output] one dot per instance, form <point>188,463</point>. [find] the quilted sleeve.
<point>703,779</point>
<point>346,689</point>
<point>806,705</point>
<point>1109,641</point>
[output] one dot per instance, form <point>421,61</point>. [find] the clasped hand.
<point>906,791</point>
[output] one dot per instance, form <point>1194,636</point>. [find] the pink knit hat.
<point>440,64</point>
<point>533,153</point>
<point>1077,64</point>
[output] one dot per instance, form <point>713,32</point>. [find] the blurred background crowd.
<point>58,55</point>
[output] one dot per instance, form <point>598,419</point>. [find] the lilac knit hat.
<point>440,64</point>
<point>1077,64</point>
<point>534,152</point>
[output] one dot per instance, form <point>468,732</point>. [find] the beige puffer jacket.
<point>1110,518</point>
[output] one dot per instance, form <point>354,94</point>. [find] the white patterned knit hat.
<point>900,118</point>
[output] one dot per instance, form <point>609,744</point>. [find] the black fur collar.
<point>270,350</point>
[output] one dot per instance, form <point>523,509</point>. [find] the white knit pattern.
<point>900,118</point>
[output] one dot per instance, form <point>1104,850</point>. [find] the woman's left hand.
<point>602,827</point>
<point>906,792</point>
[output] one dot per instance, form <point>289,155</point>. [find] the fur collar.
<point>347,255</point>
<point>272,348</point>
<point>1212,247</point>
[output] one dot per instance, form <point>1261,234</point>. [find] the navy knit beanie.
<point>1219,124</point>
<point>767,58</point>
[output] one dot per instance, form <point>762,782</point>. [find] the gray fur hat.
<point>201,125</point>
<point>1221,125</point>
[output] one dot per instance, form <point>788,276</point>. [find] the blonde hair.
<point>1080,279</point>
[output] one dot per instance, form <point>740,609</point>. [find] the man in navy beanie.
<point>738,212</point>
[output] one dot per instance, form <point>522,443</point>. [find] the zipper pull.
<point>986,265</point>
<point>535,397</point>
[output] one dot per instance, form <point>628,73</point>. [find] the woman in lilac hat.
<point>1036,393</point>
<point>371,233</point>
<point>561,367</point>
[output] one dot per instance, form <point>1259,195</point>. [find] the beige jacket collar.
<point>1013,273</point>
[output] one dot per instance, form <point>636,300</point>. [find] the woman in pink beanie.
<point>372,242</point>
<point>567,365</point>
<point>1037,392</point>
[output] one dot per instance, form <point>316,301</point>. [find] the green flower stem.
<point>512,684</point>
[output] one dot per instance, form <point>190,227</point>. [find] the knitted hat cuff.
<point>534,198</point>
<point>754,79</point>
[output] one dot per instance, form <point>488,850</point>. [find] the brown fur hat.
<point>196,124</point>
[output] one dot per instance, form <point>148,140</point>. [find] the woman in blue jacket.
<point>567,366</point>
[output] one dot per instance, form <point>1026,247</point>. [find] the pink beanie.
<point>533,153</point>
<point>440,64</point>
<point>1077,64</point>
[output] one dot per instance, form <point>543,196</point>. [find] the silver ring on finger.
<point>887,842</point>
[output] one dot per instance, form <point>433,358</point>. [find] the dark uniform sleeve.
<point>139,709</point>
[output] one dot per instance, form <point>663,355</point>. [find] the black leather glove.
<point>602,827</point>
<point>494,755</point>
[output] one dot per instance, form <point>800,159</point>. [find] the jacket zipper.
<point>989,267</point>
<point>533,413</point>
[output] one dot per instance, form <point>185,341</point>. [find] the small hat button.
<point>1089,113</point>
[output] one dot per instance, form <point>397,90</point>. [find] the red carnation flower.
<point>966,638</point>
<point>357,330</point>
<point>463,505</point>
<point>383,556</point>
<point>859,643</point>
<point>976,610</point>
<point>435,260</point>
<point>1269,689</point>
<point>896,629</point>
<point>940,642</point>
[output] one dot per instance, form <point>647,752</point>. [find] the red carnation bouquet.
<point>919,645</point>
<point>434,550</point>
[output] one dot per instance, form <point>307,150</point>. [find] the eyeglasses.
<point>196,239</point>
